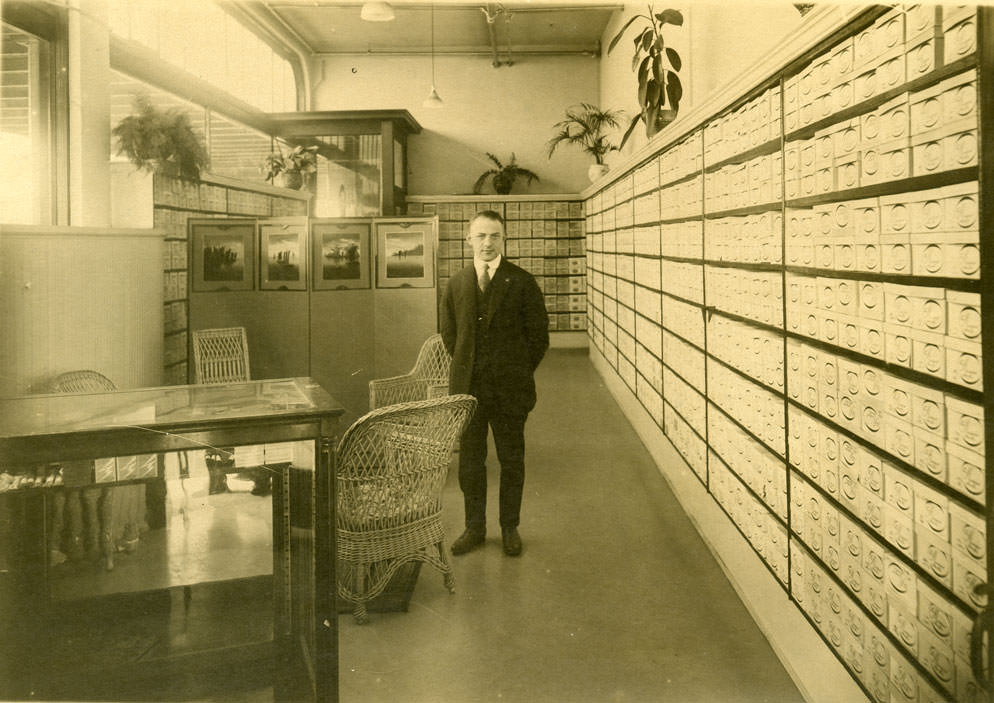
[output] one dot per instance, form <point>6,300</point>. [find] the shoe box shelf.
<point>544,236</point>
<point>793,292</point>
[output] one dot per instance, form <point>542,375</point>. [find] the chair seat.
<point>399,542</point>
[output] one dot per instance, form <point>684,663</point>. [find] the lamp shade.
<point>433,100</point>
<point>376,12</point>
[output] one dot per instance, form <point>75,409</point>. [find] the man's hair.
<point>487,215</point>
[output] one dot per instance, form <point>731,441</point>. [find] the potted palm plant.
<point>584,127</point>
<point>504,175</point>
<point>292,168</point>
<point>656,65</point>
<point>160,141</point>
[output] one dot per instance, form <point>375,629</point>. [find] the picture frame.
<point>405,252</point>
<point>340,254</point>
<point>283,254</point>
<point>223,254</point>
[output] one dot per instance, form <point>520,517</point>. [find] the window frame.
<point>50,23</point>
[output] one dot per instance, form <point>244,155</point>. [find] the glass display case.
<point>169,543</point>
<point>362,169</point>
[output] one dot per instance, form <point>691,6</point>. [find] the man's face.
<point>486,237</point>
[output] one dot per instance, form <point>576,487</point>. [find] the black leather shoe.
<point>467,541</point>
<point>512,542</point>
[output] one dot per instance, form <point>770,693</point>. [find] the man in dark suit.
<point>495,326</point>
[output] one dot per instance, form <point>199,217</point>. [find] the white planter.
<point>596,171</point>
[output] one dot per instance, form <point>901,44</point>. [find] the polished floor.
<point>615,598</point>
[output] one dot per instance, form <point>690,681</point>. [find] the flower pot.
<point>596,171</point>
<point>503,184</point>
<point>293,180</point>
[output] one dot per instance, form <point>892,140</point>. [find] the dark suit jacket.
<point>517,336</point>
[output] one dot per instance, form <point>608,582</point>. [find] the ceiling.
<point>537,27</point>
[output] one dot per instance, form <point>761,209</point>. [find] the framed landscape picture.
<point>405,253</point>
<point>283,256</point>
<point>223,254</point>
<point>340,254</point>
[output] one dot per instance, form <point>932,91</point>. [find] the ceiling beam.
<point>545,6</point>
<point>592,50</point>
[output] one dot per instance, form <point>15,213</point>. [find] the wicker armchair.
<point>391,466</point>
<point>220,355</point>
<point>428,379</point>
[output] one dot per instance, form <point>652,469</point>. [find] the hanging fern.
<point>160,141</point>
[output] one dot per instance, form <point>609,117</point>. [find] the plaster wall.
<point>717,41</point>
<point>486,109</point>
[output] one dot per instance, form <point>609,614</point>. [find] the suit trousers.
<point>509,438</point>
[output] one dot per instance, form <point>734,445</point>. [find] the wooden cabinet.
<point>793,289</point>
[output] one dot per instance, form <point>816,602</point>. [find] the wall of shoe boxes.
<point>809,316</point>
<point>174,202</point>
<point>544,237</point>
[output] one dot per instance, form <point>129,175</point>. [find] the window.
<point>205,41</point>
<point>32,191</point>
<point>234,150</point>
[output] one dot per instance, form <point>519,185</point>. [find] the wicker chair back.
<point>220,355</point>
<point>84,381</point>
<point>428,379</point>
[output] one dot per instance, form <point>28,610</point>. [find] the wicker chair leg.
<point>359,612</point>
<point>448,577</point>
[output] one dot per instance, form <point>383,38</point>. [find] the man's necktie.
<point>484,279</point>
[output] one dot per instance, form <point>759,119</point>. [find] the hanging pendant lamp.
<point>433,100</point>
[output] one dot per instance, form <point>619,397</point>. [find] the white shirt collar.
<point>491,265</point>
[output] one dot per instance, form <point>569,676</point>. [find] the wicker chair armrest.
<point>396,389</point>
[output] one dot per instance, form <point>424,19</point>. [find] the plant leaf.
<point>639,38</point>
<point>646,39</point>
<point>631,128</point>
<point>652,94</point>
<point>650,121</point>
<point>621,31</point>
<point>674,17</point>
<point>674,90</point>
<point>478,186</point>
<point>657,67</point>
<point>674,58</point>
<point>643,77</point>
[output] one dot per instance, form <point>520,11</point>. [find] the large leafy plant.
<point>659,87</point>
<point>584,127</point>
<point>160,141</point>
<point>504,175</point>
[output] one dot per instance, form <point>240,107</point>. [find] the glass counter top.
<point>166,407</point>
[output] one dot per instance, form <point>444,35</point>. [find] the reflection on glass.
<point>349,186</point>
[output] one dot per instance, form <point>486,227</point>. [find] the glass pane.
<point>237,151</point>
<point>349,186</point>
<point>25,129</point>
